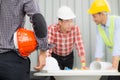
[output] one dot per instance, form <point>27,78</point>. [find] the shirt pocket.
<point>17,12</point>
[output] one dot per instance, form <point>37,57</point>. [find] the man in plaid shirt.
<point>64,35</point>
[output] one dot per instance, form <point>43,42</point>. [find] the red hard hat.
<point>25,41</point>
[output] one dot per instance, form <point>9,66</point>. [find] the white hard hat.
<point>65,13</point>
<point>51,64</point>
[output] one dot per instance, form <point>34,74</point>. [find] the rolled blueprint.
<point>100,65</point>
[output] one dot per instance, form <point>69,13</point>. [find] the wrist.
<point>43,53</point>
<point>83,62</point>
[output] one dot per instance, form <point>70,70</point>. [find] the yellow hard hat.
<point>99,6</point>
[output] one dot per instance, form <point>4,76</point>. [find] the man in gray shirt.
<point>12,14</point>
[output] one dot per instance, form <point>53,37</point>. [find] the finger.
<point>37,68</point>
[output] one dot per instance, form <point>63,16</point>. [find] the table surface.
<point>77,73</point>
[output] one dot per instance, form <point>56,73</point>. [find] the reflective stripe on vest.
<point>108,40</point>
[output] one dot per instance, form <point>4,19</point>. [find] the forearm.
<point>43,54</point>
<point>83,61</point>
<point>41,60</point>
<point>115,61</point>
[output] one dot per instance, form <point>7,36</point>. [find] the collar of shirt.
<point>107,25</point>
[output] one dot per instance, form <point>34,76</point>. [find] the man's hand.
<point>41,60</point>
<point>115,61</point>
<point>84,68</point>
<point>98,59</point>
<point>83,63</point>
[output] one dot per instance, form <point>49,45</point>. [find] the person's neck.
<point>63,30</point>
<point>104,20</point>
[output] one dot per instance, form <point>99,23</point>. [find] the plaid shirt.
<point>64,43</point>
<point>12,14</point>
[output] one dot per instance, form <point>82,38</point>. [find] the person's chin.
<point>97,23</point>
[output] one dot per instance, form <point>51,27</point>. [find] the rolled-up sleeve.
<point>99,53</point>
<point>43,44</point>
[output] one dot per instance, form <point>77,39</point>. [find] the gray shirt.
<point>12,13</point>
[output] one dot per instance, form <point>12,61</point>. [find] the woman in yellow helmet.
<point>108,31</point>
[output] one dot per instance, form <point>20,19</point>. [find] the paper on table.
<point>100,65</point>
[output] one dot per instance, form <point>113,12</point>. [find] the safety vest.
<point>108,40</point>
